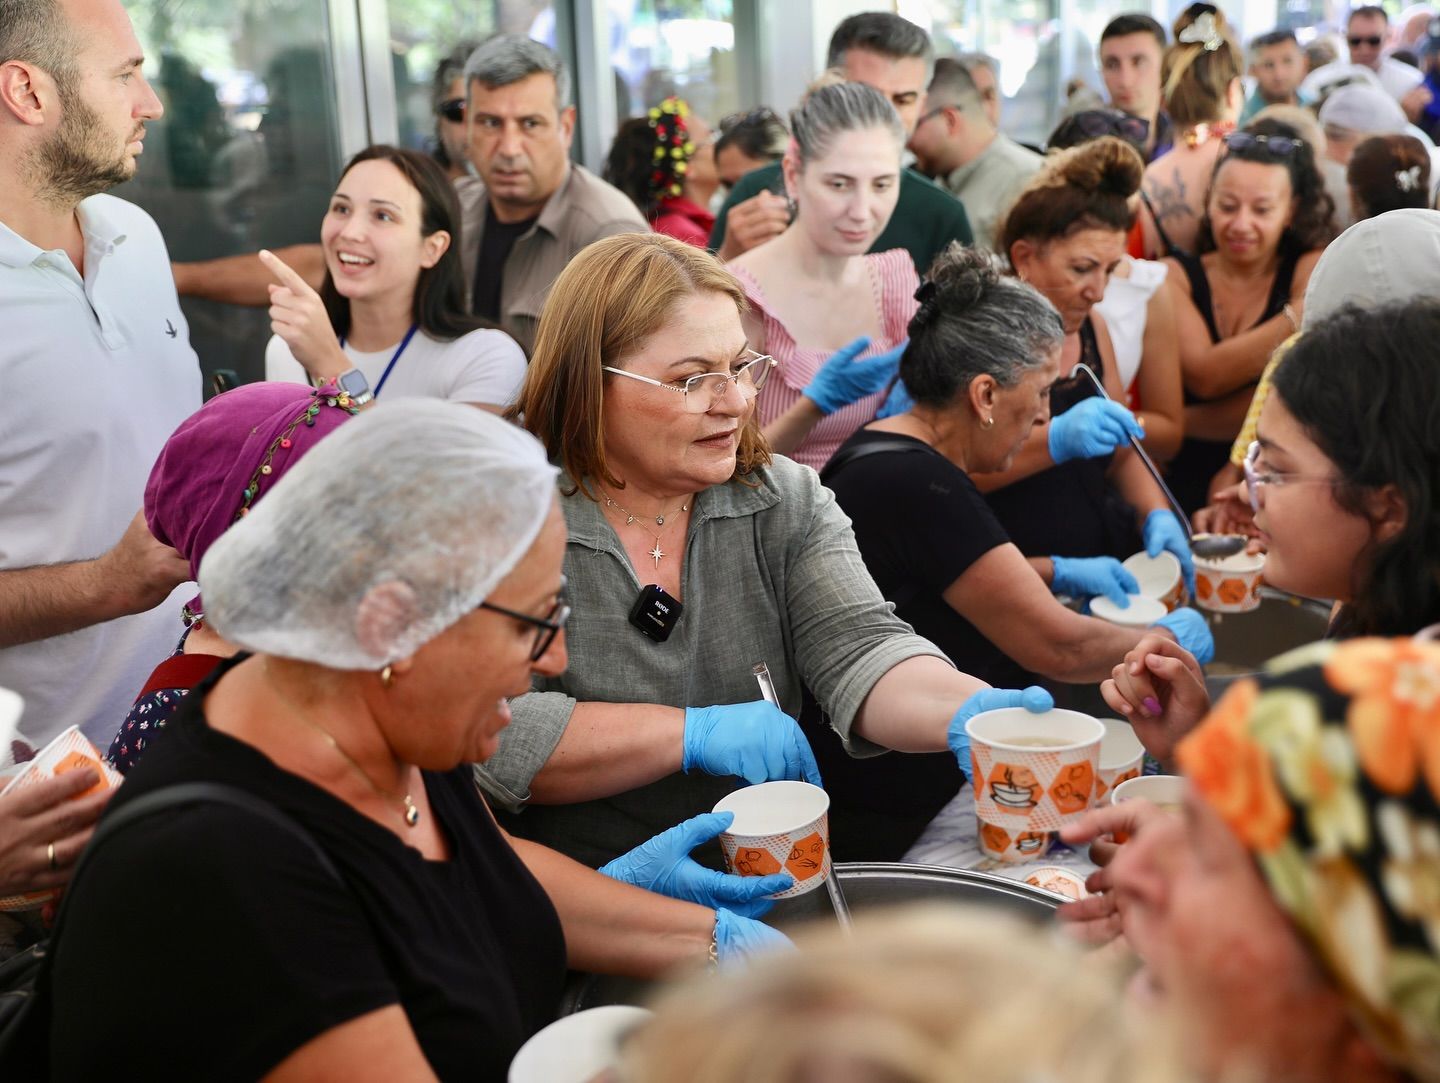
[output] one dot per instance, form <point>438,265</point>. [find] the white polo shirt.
<point>95,375</point>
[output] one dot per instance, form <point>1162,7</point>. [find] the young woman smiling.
<point>393,301</point>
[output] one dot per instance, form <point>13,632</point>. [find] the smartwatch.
<point>354,384</point>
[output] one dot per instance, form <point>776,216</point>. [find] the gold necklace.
<point>656,552</point>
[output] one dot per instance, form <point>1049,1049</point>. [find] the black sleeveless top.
<point>1069,510</point>
<point>1198,462</point>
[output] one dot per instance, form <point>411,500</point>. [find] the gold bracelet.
<point>715,942</point>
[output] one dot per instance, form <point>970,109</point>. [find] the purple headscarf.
<point>227,454</point>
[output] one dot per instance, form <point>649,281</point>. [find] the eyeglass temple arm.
<point>1144,457</point>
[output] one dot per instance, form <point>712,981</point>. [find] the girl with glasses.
<point>1267,216</point>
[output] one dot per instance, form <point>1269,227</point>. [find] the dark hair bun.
<point>1106,165</point>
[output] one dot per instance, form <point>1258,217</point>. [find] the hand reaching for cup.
<point>1160,688</point>
<point>1098,918</point>
<point>298,316</point>
<point>47,815</point>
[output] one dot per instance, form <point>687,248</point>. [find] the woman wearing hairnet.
<point>692,555</point>
<point>387,596</point>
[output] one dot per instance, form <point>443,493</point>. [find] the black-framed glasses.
<point>932,113</point>
<point>1282,145</point>
<point>452,109</point>
<point>1372,40</point>
<point>546,627</point>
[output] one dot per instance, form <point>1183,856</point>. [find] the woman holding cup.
<point>984,353</point>
<point>692,554</point>
<point>1342,499</point>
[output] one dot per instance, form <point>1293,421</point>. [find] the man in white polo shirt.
<point>96,371</point>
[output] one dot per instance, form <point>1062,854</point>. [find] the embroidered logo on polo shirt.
<point>170,329</point>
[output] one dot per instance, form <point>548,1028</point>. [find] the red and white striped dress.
<point>893,278</point>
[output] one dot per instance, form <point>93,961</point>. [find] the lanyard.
<point>393,357</point>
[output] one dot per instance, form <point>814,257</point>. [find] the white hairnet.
<point>1387,259</point>
<point>389,531</point>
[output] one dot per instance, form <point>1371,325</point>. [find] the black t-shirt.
<point>920,523</point>
<point>495,244</point>
<point>211,944</point>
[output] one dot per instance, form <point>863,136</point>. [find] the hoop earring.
<point>387,677</point>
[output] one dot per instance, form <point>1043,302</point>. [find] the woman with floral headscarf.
<point>1292,915</point>
<point>665,162</point>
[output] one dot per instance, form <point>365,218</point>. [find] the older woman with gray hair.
<point>984,351</point>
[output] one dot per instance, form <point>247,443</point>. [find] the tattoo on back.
<point>1168,200</point>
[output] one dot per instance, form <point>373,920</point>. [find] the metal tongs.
<point>1211,546</point>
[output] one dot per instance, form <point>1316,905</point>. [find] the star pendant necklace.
<point>639,520</point>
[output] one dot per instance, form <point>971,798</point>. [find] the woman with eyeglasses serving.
<point>693,554</point>
<point>1342,493</point>
<point>391,930</point>
<point>1267,217</point>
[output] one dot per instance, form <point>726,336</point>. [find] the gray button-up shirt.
<point>771,575</point>
<point>583,209</point>
<point>989,184</point>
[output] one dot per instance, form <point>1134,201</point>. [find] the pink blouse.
<point>894,281</point>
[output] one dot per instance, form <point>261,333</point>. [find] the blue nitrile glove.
<point>1091,428</point>
<point>1085,577</point>
<point>897,402</point>
<point>843,380</point>
<point>756,741</point>
<point>1192,632</point>
<point>1163,531</point>
<point>664,865</point>
<point>738,938</point>
<point>1034,699</point>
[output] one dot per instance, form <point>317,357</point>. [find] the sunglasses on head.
<point>452,109</point>
<point>1373,41</point>
<point>1282,145</point>
<point>1093,124</point>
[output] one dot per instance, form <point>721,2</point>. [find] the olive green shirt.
<point>771,575</point>
<point>926,218</point>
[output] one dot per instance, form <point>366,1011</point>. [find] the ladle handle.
<point>1144,458</point>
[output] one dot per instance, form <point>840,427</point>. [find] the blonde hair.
<point>923,994</point>
<point>1196,80</point>
<point>603,307</point>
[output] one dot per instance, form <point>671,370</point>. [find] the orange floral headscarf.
<point>1327,768</point>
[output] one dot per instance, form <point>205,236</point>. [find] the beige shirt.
<point>583,209</point>
<point>989,184</point>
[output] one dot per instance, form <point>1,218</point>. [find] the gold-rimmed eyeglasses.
<point>700,393</point>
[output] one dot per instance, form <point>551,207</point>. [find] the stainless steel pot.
<point>1246,641</point>
<point>867,886</point>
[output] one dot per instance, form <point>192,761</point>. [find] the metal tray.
<point>867,885</point>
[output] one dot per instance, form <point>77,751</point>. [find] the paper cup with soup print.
<point>1032,774</point>
<point>1059,881</point>
<point>1159,578</point>
<point>1166,792</point>
<point>1122,757</point>
<point>1230,585</point>
<point>779,827</point>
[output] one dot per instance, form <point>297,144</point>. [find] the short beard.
<point>68,167</point>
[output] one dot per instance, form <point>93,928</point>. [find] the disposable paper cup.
<point>1058,881</point>
<point>1140,613</point>
<point>779,827</point>
<point>1159,577</point>
<point>1024,793</point>
<point>578,1047</point>
<point>1164,791</point>
<point>1122,757</point>
<point>1230,585</point>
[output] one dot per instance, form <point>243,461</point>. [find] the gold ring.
<point>50,853</point>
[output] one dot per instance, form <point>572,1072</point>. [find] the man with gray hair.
<point>97,371</point>
<point>958,144</point>
<point>985,71</point>
<point>532,208</point>
<point>891,54</point>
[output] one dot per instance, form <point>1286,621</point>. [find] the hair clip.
<point>1203,31</point>
<point>925,291</point>
<point>927,295</point>
<point>1408,179</point>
